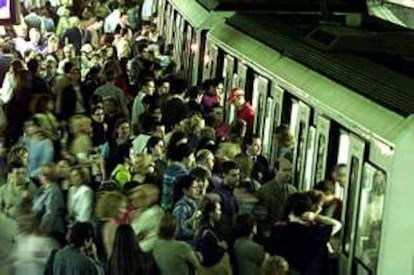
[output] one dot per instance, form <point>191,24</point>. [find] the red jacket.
<point>247,113</point>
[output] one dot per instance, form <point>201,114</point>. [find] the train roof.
<point>337,100</point>
<point>391,89</point>
<point>199,16</point>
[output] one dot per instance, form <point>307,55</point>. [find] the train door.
<point>210,60</point>
<point>273,114</point>
<point>242,73</point>
<point>351,152</point>
<point>321,150</point>
<point>370,215</point>
<point>260,90</point>
<point>228,71</point>
<point>169,22</point>
<point>189,50</point>
<point>299,125</point>
<point>162,15</point>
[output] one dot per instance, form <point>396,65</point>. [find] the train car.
<point>185,27</point>
<point>333,124</point>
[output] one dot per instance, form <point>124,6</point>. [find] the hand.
<point>309,216</point>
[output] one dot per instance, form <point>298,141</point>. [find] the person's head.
<point>216,87</point>
<point>339,174</point>
<point>33,66</point>
<point>236,97</point>
<point>81,235</point>
<point>216,113</point>
<point>255,146</point>
<point>69,51</point>
<point>80,124</point>
<point>110,106</point>
<point>227,151</point>
<point>143,196</point>
<point>47,174</point>
<point>275,265</point>
<point>110,205</point>
<point>238,128</point>
<point>164,87</point>
<point>72,72</point>
<point>148,86</point>
<point>231,174</point>
<point>284,170</point>
<point>184,154</point>
<point>245,164</point>
<point>299,204</point>
<point>189,186</point>
<point>156,147</point>
<point>317,198</point>
<point>285,136</point>
<point>168,227</point>
<point>18,172</point>
<point>210,208</point>
<point>98,114</point>
<point>143,164</point>
<point>34,36</point>
<point>245,225</point>
<point>326,186</point>
<point>205,158</point>
<point>18,154</point>
<point>201,176</point>
<point>78,176</point>
<point>122,129</point>
<point>63,168</point>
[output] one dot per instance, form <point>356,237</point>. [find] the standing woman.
<point>110,206</point>
<point>127,257</point>
<point>110,153</point>
<point>212,248</point>
<point>48,203</point>
<point>80,196</point>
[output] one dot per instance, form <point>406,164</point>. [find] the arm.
<point>336,225</point>
<point>85,212</point>
<point>52,205</point>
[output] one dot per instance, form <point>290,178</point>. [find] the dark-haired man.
<point>80,256</point>
<point>229,205</point>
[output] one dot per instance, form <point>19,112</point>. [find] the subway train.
<point>342,109</point>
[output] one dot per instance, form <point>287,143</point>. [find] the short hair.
<point>327,186</point>
<point>216,81</point>
<point>180,152</point>
<point>275,265</point>
<point>79,233</point>
<point>200,173</point>
<point>202,155</point>
<point>244,225</point>
<point>153,141</point>
<point>168,227</point>
<point>33,65</point>
<point>68,67</point>
<point>108,204</point>
<point>227,166</point>
<point>48,171</point>
<point>185,182</point>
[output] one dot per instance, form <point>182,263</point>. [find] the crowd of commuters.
<point>111,164</point>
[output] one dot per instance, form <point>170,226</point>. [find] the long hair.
<point>127,258</point>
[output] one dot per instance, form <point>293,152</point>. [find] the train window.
<point>267,127</point>
<point>310,151</point>
<point>300,153</point>
<point>320,159</point>
<point>350,209</point>
<point>344,143</point>
<point>242,72</point>
<point>371,206</point>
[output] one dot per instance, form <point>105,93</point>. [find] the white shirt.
<point>111,21</point>
<point>137,108</point>
<point>339,191</point>
<point>139,143</point>
<point>80,202</point>
<point>9,83</point>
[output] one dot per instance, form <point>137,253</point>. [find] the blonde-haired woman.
<point>110,206</point>
<point>142,166</point>
<point>81,128</point>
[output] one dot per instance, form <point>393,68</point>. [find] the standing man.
<point>274,194</point>
<point>244,109</point>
